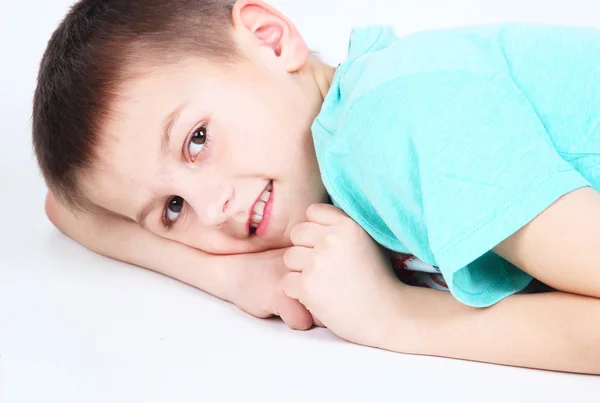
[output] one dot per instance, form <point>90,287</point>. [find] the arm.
<point>561,246</point>
<point>554,331</point>
<point>122,240</point>
<point>558,331</point>
<point>356,295</point>
<point>249,281</point>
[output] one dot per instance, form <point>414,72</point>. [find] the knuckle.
<point>330,239</point>
<point>294,233</point>
<point>288,257</point>
<point>313,209</point>
<point>310,211</point>
<point>297,231</point>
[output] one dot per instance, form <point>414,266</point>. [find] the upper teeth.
<point>259,207</point>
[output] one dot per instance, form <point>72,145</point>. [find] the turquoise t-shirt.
<point>442,144</point>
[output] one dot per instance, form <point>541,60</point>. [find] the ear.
<point>272,30</point>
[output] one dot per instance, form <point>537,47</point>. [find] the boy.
<point>209,124</point>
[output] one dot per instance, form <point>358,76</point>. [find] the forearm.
<point>554,331</point>
<point>131,244</point>
<point>250,281</point>
<point>123,240</point>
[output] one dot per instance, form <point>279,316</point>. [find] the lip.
<point>262,227</point>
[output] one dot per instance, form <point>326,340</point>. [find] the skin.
<point>252,124</point>
<point>276,92</point>
<point>257,113</point>
<point>368,305</point>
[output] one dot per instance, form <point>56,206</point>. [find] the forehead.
<point>152,84</point>
<point>148,94</point>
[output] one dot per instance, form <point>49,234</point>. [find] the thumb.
<point>291,284</point>
<point>293,313</point>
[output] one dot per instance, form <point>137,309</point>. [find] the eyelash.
<point>186,145</point>
<point>168,224</point>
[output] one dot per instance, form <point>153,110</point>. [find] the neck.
<point>323,76</point>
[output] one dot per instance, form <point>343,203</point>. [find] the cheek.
<point>264,135</point>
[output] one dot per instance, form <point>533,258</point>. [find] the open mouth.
<point>260,211</point>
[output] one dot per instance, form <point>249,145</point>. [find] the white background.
<point>76,327</point>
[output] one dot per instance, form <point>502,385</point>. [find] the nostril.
<point>226,207</point>
<point>229,197</point>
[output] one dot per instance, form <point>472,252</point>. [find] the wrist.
<point>228,276</point>
<point>400,330</point>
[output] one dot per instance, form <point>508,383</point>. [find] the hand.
<point>258,289</point>
<point>341,275</point>
<point>251,282</point>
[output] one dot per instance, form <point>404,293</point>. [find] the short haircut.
<point>86,61</point>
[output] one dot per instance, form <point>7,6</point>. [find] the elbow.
<point>52,209</point>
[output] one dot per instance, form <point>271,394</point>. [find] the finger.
<point>292,285</point>
<point>306,234</point>
<point>325,214</point>
<point>298,258</point>
<point>293,313</point>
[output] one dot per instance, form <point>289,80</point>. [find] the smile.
<point>260,211</point>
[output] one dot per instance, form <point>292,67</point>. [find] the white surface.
<point>75,327</point>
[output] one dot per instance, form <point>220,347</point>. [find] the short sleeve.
<point>487,167</point>
<point>458,161</point>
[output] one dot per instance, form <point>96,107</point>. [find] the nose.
<point>212,204</point>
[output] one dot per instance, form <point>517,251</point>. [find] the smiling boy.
<point>208,123</point>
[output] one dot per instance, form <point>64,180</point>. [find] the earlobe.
<point>272,30</point>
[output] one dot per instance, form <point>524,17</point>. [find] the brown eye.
<point>174,207</point>
<point>197,141</point>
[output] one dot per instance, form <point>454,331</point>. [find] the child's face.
<point>193,148</point>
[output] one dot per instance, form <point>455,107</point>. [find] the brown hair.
<point>86,60</point>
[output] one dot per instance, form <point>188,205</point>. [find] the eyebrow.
<point>165,147</point>
<point>165,143</point>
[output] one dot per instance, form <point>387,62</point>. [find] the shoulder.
<point>374,63</point>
